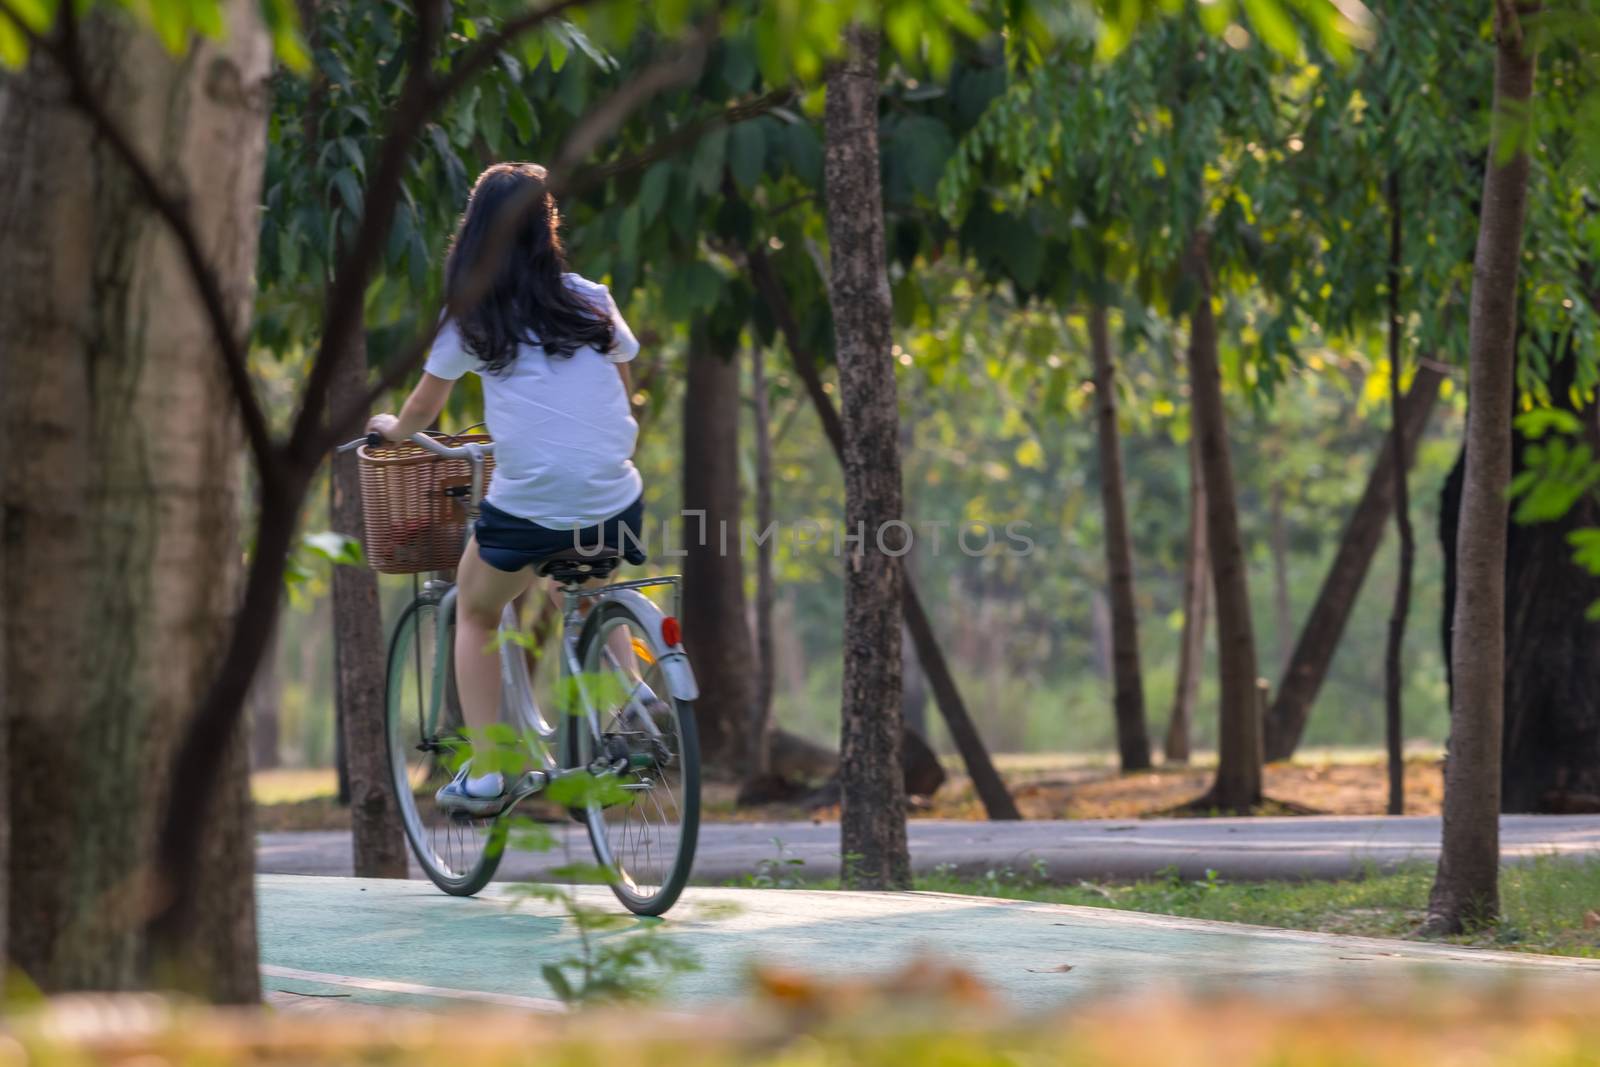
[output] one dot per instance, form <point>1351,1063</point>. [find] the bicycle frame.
<point>518,704</point>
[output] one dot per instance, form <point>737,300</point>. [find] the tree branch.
<point>68,59</point>
<point>682,137</point>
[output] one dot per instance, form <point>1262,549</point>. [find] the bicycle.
<point>638,747</point>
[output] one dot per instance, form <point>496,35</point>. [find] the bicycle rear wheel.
<point>646,839</point>
<point>458,853</point>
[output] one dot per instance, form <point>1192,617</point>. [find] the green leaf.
<point>917,151</point>
<point>747,154</point>
<point>738,68</point>
<point>520,112</point>
<point>282,19</point>
<point>1273,25</point>
<point>13,45</point>
<point>805,153</point>
<point>1586,548</point>
<point>558,983</point>
<point>532,50</point>
<point>653,191</point>
<point>336,548</point>
<point>709,156</point>
<point>352,152</point>
<point>1540,421</point>
<point>628,233</point>
<point>348,186</point>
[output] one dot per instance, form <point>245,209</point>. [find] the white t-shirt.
<point>563,428</point>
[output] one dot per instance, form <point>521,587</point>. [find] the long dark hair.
<point>525,300</point>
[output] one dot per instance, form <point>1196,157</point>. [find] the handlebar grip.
<point>374,439</point>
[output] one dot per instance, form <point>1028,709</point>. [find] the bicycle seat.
<point>581,564</point>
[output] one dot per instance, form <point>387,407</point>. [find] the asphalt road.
<point>1239,849</point>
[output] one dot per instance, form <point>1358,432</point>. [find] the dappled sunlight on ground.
<point>1326,787</point>
<point>1046,787</point>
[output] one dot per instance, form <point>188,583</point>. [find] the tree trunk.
<point>1393,718</point>
<point>1551,739</point>
<point>1238,783</point>
<point>986,781</point>
<point>913,688</point>
<point>1099,632</point>
<point>7,198</point>
<point>121,503</point>
<point>266,698</point>
<point>1466,890</point>
<point>341,758</point>
<point>873,798</point>
<point>1551,754</point>
<point>1196,605</point>
<point>715,631</point>
<point>1324,625</point>
<point>1133,738</point>
<point>359,675</point>
<point>761,719</point>
<point>1280,578</point>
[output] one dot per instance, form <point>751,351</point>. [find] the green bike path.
<point>402,943</point>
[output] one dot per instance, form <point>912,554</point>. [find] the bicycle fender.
<point>674,662</point>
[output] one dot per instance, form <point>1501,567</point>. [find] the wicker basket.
<point>413,522</point>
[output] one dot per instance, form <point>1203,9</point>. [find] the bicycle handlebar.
<point>426,441</point>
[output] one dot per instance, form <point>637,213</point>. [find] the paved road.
<point>1238,849</point>
<point>399,943</point>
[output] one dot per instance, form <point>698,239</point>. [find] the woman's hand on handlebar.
<point>387,426</point>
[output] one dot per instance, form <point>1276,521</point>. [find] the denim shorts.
<point>509,544</point>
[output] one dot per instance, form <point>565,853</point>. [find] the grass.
<point>1546,904</point>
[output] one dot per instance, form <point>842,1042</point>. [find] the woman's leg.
<point>482,592</point>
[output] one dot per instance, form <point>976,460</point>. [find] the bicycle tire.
<point>672,882</point>
<point>402,647</point>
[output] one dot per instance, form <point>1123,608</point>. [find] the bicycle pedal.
<point>529,784</point>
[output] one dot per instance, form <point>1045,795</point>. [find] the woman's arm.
<point>421,408</point>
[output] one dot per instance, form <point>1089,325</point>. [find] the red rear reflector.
<point>670,633</point>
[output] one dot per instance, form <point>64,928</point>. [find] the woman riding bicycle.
<point>552,352</point>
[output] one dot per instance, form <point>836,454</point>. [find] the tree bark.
<point>1393,716</point>
<point>1133,738</point>
<point>1466,889</point>
<point>121,503</point>
<point>1237,787</point>
<point>1196,605</point>
<point>761,718</point>
<point>715,632</point>
<point>872,794</point>
<point>377,838</point>
<point>986,781</point>
<point>1324,625</point>
<point>7,198</point>
<point>913,688</point>
<point>266,697</point>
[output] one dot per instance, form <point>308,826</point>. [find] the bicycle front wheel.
<point>459,853</point>
<point>644,833</point>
